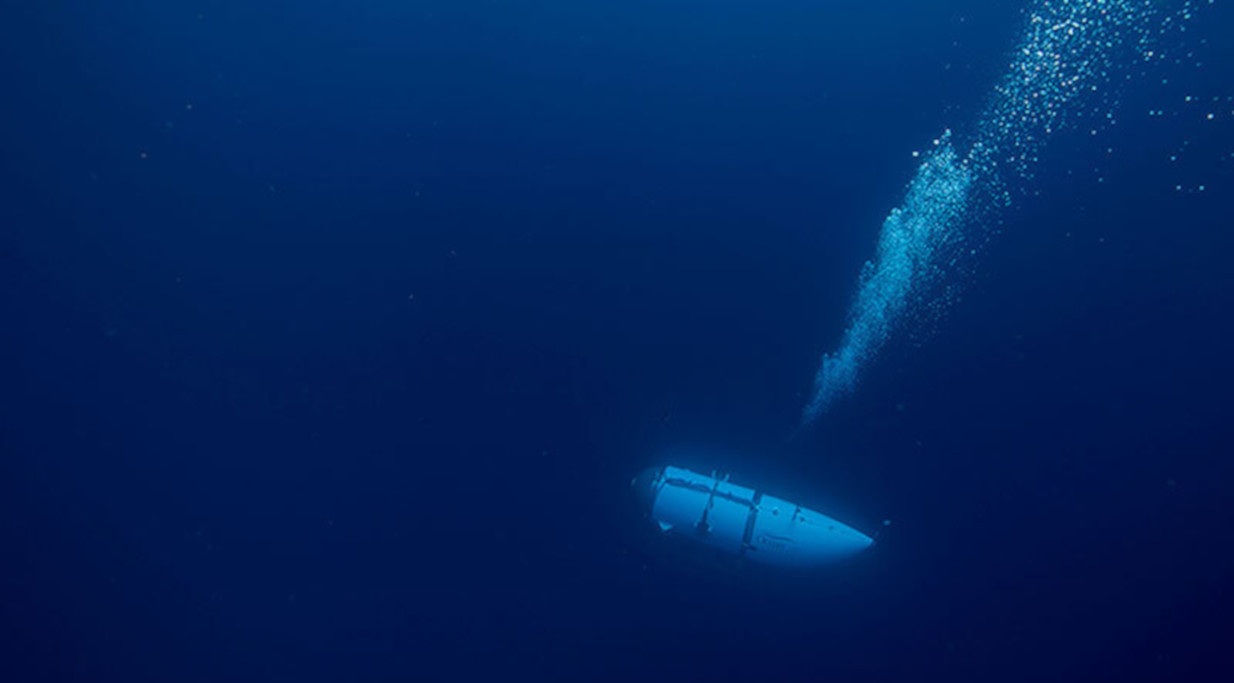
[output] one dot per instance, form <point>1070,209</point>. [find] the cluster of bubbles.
<point>909,246</point>
<point>1065,70</point>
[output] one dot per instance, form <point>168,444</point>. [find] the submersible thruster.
<point>740,521</point>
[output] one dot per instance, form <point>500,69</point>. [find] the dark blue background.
<point>333,333</point>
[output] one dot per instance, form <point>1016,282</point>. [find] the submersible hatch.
<point>740,521</point>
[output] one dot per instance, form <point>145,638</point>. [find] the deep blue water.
<point>334,332</point>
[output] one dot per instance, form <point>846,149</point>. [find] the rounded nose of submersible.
<point>644,486</point>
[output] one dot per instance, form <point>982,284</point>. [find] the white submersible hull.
<point>744,522</point>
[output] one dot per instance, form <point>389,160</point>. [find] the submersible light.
<point>741,521</point>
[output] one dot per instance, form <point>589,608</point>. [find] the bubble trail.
<point>1063,71</point>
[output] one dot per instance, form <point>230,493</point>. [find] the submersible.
<point>741,521</point>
